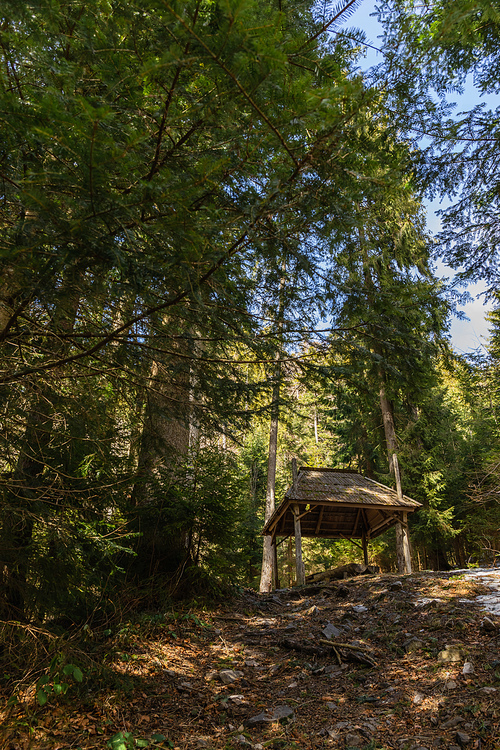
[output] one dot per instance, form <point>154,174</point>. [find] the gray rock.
<point>330,631</point>
<point>453,722</point>
<point>462,738</point>
<point>489,625</point>
<point>468,668</point>
<point>282,712</point>
<point>395,586</point>
<point>257,720</point>
<point>413,644</point>
<point>354,740</point>
<point>227,676</point>
<point>238,700</point>
<point>450,654</point>
<point>360,609</point>
<point>488,690</point>
<point>242,741</point>
<point>328,732</point>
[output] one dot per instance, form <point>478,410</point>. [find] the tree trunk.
<point>402,537</point>
<point>402,540</point>
<point>268,573</point>
<point>266,578</point>
<point>388,420</point>
<point>299,562</point>
<point>164,444</point>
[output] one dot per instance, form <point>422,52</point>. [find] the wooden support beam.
<point>403,546</point>
<point>356,521</point>
<point>276,580</point>
<point>307,511</point>
<point>388,520</point>
<point>365,548</point>
<point>299,563</point>
<point>278,544</point>
<point>366,523</point>
<point>402,538</point>
<point>349,539</point>
<point>320,519</point>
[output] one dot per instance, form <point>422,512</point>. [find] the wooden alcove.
<point>338,504</point>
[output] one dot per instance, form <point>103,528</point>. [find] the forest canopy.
<point>212,231</point>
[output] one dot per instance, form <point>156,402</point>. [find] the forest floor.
<point>414,667</point>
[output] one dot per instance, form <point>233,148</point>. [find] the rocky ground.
<point>370,662</point>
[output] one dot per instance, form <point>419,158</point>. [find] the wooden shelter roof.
<point>338,504</point>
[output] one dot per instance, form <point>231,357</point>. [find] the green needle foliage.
<point>158,158</point>
<point>431,52</point>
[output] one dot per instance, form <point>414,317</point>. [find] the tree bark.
<point>299,562</point>
<point>266,578</point>
<point>268,553</point>
<point>388,420</point>
<point>164,443</point>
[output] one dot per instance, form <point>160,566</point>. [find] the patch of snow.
<point>489,577</point>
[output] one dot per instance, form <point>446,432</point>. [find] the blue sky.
<point>466,335</point>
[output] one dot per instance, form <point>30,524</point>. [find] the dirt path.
<point>414,668</point>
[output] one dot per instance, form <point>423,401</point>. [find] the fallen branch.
<point>344,645</point>
<point>306,648</point>
<point>350,652</point>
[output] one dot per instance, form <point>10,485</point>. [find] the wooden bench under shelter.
<point>340,504</point>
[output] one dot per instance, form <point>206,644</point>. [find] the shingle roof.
<point>335,503</point>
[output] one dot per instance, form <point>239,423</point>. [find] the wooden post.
<point>365,547</point>
<point>276,580</point>
<point>290,562</point>
<point>299,563</point>
<point>402,538</point>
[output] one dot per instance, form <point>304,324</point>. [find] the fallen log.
<point>343,651</point>
<point>343,571</point>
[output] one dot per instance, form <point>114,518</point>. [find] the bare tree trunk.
<point>402,540</point>
<point>388,420</point>
<point>402,536</point>
<point>164,443</point>
<point>268,572</point>
<point>266,578</point>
